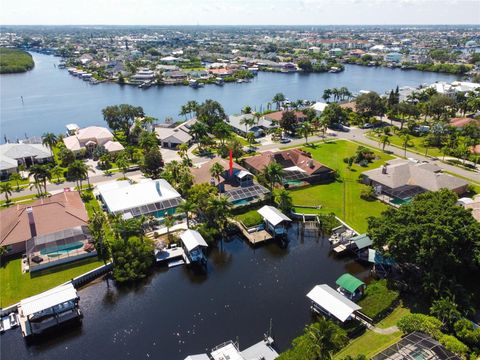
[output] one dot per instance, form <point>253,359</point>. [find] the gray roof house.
<point>236,122</point>
<point>404,179</point>
<point>15,154</point>
<point>172,137</point>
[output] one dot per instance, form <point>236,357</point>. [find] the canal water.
<point>175,313</point>
<point>52,98</point>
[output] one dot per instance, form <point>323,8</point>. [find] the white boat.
<point>12,317</point>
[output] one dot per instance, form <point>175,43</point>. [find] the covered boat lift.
<point>331,303</point>
<point>350,287</point>
<point>194,243</point>
<point>275,220</point>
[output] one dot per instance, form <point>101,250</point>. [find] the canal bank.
<point>176,312</point>
<point>53,98</point>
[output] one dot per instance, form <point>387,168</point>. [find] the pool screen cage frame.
<point>56,241</point>
<point>416,346</point>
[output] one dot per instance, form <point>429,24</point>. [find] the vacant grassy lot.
<point>341,197</point>
<point>15,286</point>
<point>15,61</point>
<point>415,144</point>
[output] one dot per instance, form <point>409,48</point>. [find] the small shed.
<point>194,243</point>
<point>350,286</point>
<point>381,265</point>
<point>361,242</point>
<point>331,303</point>
<point>274,219</point>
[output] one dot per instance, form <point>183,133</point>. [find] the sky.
<point>238,12</point>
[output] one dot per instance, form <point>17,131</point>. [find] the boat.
<point>219,81</point>
<point>12,317</point>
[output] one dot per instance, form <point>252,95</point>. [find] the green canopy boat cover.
<point>349,282</point>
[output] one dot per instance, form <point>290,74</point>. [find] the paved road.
<point>354,134</point>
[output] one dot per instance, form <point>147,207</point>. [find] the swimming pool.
<point>61,249</point>
<point>397,201</point>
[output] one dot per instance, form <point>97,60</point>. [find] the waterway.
<point>175,313</point>
<point>52,98</point>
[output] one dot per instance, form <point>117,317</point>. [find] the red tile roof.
<point>277,115</point>
<point>59,212</point>
<point>287,158</point>
<point>460,122</point>
<point>202,174</point>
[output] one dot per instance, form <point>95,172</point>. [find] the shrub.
<point>368,193</point>
<point>466,332</point>
<point>419,322</point>
<point>454,345</point>
<point>378,299</point>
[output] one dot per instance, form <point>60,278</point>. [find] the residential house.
<point>91,137</point>
<point>238,185</point>
<point>460,122</point>
<point>54,215</point>
<point>259,128</point>
<point>13,155</point>
<point>171,138</point>
<point>149,197</point>
<point>277,116</point>
<point>393,57</point>
<point>403,179</point>
<point>298,166</point>
<point>319,107</point>
<point>473,204</point>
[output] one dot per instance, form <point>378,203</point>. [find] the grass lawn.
<point>392,319</point>
<point>368,344</point>
<point>16,286</point>
<point>23,199</point>
<point>415,144</point>
<point>331,196</point>
<point>250,218</point>
<point>378,299</point>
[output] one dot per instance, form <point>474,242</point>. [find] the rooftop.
<point>47,299</point>
<point>273,215</point>
<point>349,282</point>
<point>333,302</point>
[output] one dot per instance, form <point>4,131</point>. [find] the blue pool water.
<point>61,249</point>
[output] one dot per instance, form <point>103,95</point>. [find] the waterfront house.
<point>90,137</point>
<point>331,303</point>
<point>171,138</point>
<point>258,128</point>
<point>473,204</point>
<point>47,310</point>
<point>13,155</point>
<point>239,186</point>
<point>403,179</point>
<point>298,166</point>
<point>319,107</point>
<point>54,215</point>
<point>194,244</point>
<point>393,57</point>
<point>275,221</point>
<point>350,287</point>
<point>149,197</point>
<point>143,75</point>
<point>276,116</point>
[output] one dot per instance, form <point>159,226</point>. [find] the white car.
<point>413,160</point>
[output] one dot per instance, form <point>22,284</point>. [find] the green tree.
<point>370,104</point>
<point>327,94</point>
<point>289,122</point>
<point>211,113</point>
<point>334,114</point>
<point>132,258</point>
<point>6,189</point>
<point>434,237</point>
<point>305,129</point>
<point>278,99</point>
<point>273,174</point>
<point>188,207</point>
<point>147,140</point>
<point>122,117</point>
<point>305,65</point>
<point>152,162</point>
<point>57,172</point>
<point>251,138</point>
<point>405,142</point>
<point>169,221</point>
<point>49,140</point>
<point>216,170</point>
<point>17,178</point>
<point>419,322</point>
<point>384,140</point>
<point>40,173</point>
<point>222,132</point>
<point>446,310</point>
<point>66,156</point>
<point>77,171</point>
<point>283,199</point>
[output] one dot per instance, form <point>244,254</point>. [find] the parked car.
<point>284,140</point>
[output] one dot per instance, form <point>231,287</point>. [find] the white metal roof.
<point>126,196</point>
<point>242,173</point>
<point>47,299</point>
<point>197,357</point>
<point>192,239</point>
<point>332,301</point>
<point>229,351</point>
<point>273,215</point>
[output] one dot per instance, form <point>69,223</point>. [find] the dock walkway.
<point>254,237</point>
<point>170,254</point>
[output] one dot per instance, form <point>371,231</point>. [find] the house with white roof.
<point>90,137</point>
<point>275,220</point>
<point>257,127</point>
<point>149,197</point>
<point>328,301</point>
<point>14,154</point>
<point>319,107</point>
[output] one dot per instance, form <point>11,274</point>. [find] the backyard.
<point>341,197</point>
<point>16,286</point>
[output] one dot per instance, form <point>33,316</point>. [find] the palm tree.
<point>219,210</point>
<point>216,171</point>
<point>247,109</point>
<point>6,188</point>
<point>183,152</point>
<point>385,140</point>
<point>278,99</point>
<point>283,199</point>
<point>405,142</point>
<point>40,173</point>
<point>327,94</point>
<point>122,164</point>
<point>305,129</point>
<point>326,338</point>
<point>247,121</point>
<point>251,138</point>
<point>184,111</point>
<point>57,172</point>
<point>49,140</point>
<point>16,177</point>
<point>78,171</point>
<point>187,207</point>
<point>273,173</point>
<point>169,221</point>
<point>324,125</point>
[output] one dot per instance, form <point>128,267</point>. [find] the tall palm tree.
<point>283,199</point>
<point>57,172</point>
<point>17,178</point>
<point>122,164</point>
<point>187,207</point>
<point>6,189</point>
<point>216,171</point>
<point>169,221</point>
<point>278,99</point>
<point>327,94</point>
<point>183,152</point>
<point>40,173</point>
<point>219,210</point>
<point>49,140</point>
<point>385,140</point>
<point>78,171</point>
<point>273,174</point>
<point>405,142</point>
<point>326,338</point>
<point>251,138</point>
<point>324,125</point>
<point>305,129</point>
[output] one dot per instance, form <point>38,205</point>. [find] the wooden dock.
<point>255,237</point>
<point>166,255</point>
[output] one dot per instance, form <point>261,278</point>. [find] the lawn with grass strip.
<point>415,144</point>
<point>250,218</point>
<point>368,344</point>
<point>16,286</point>
<point>346,190</point>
